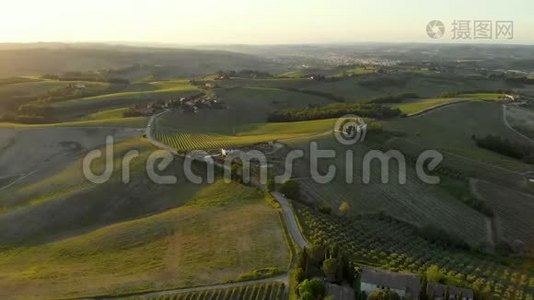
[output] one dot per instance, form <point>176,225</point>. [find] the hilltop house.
<point>439,291</point>
<point>407,286</point>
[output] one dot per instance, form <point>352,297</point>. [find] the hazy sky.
<point>251,21</point>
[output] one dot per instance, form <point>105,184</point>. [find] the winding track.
<point>291,224</point>
<point>505,121</point>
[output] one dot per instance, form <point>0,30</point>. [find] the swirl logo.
<point>350,129</point>
<point>435,29</point>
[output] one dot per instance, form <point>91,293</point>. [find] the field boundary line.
<point>436,107</point>
<point>507,124</point>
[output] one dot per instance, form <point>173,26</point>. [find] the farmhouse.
<point>439,291</point>
<point>407,286</point>
<point>511,97</point>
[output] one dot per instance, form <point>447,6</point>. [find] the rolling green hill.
<point>220,233</point>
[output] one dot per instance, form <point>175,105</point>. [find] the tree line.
<point>521,151</point>
<point>335,110</point>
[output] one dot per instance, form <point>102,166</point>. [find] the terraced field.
<point>414,202</point>
<point>267,291</point>
<point>512,210</point>
<point>185,139</point>
<point>392,245</point>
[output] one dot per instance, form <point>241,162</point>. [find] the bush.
<point>258,274</point>
<point>330,268</point>
<point>325,209</point>
<point>291,189</point>
<point>440,236</point>
<point>383,295</point>
<point>313,287</point>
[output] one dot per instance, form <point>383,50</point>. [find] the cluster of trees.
<point>335,110</point>
<point>441,237</point>
<point>290,189</point>
<point>318,261</point>
<point>394,98</point>
<point>524,152</point>
<point>242,74</point>
<point>383,295</point>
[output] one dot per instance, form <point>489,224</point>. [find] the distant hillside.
<point>34,59</point>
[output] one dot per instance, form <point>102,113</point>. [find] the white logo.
<point>350,129</point>
<point>435,29</point>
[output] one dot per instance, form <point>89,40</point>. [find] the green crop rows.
<point>266,291</point>
<point>392,245</point>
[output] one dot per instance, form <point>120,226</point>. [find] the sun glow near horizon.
<point>242,21</point>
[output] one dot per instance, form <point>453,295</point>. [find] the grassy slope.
<point>135,122</point>
<point>224,231</point>
<point>105,109</point>
<point>422,105</point>
<point>77,109</point>
<point>412,108</point>
<point>36,88</point>
<point>451,129</point>
<point>248,105</point>
<point>162,88</point>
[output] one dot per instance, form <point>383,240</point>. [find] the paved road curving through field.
<point>287,212</point>
<point>291,221</point>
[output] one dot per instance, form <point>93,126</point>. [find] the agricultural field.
<point>415,107</point>
<point>266,291</point>
<point>371,85</point>
<point>450,129</point>
<point>414,202</point>
<point>512,213</point>
<point>131,122</point>
<point>63,236</point>
<point>157,90</point>
<point>241,123</point>
<point>389,244</point>
<point>244,135</point>
<point>244,106</point>
<point>18,93</point>
<point>219,233</point>
<point>521,119</point>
